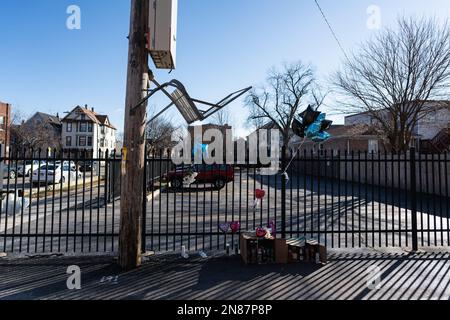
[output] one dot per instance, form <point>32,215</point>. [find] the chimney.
<point>86,106</point>
<point>93,110</point>
<point>57,115</point>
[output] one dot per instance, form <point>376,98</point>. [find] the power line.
<point>331,29</point>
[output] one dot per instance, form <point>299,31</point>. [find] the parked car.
<point>66,163</point>
<point>28,166</point>
<point>88,166</point>
<point>218,175</point>
<point>55,173</point>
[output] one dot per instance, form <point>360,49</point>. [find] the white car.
<point>55,173</point>
<point>28,166</point>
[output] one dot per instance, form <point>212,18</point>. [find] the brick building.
<point>344,139</point>
<point>5,126</point>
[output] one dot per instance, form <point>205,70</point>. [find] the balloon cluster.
<point>267,232</point>
<point>234,227</point>
<point>313,125</point>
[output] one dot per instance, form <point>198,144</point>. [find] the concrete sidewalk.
<point>403,276</point>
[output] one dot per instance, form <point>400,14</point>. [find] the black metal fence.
<point>340,199</point>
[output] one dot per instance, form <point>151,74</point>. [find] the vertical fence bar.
<point>318,195</point>
<point>283,193</point>
<point>379,199</point>
<point>332,179</point>
<point>53,201</point>
<point>413,196</point>
<point>433,184</point>
<point>152,181</point>
<point>31,199</point>
<point>23,202</point>
<point>439,194</point>
<point>353,196</point>
<point>144,203</point>
<point>106,190</point>
<point>421,200</point>
<point>91,190</point>
<point>38,202</point>
<point>325,166</point>
<point>386,188</point>
<point>305,215</point>
<point>346,197</point>
<point>447,197</point>
<point>311,207</point>
<point>99,182</point>
<point>15,199</point>
<point>339,199</point>
<point>399,198</point>
<point>359,199</point>
<point>83,197</point>
<point>297,167</point>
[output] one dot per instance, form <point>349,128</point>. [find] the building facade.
<point>344,139</point>
<point>40,132</point>
<point>5,127</point>
<point>85,132</point>
<point>431,132</point>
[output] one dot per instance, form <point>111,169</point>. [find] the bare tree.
<point>119,140</point>
<point>222,118</point>
<point>33,135</point>
<point>280,101</point>
<point>393,75</point>
<point>159,134</point>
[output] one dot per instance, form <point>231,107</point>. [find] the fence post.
<point>413,197</point>
<point>144,205</point>
<point>283,193</point>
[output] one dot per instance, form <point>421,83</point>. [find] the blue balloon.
<point>321,137</point>
<point>200,148</point>
<point>315,128</point>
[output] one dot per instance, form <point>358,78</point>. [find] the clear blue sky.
<point>223,45</point>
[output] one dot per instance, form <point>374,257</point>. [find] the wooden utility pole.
<point>134,139</point>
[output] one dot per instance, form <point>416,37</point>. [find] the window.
<point>68,141</point>
<point>2,121</point>
<point>69,127</point>
<point>90,127</point>
<point>83,126</point>
<point>83,117</point>
<point>82,141</point>
<point>102,143</point>
<point>89,141</point>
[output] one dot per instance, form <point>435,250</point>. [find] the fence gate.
<point>344,200</point>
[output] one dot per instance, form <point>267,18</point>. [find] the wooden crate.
<point>302,250</point>
<point>255,250</point>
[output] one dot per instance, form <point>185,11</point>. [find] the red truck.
<point>218,175</point>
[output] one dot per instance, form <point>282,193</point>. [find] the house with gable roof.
<point>85,132</point>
